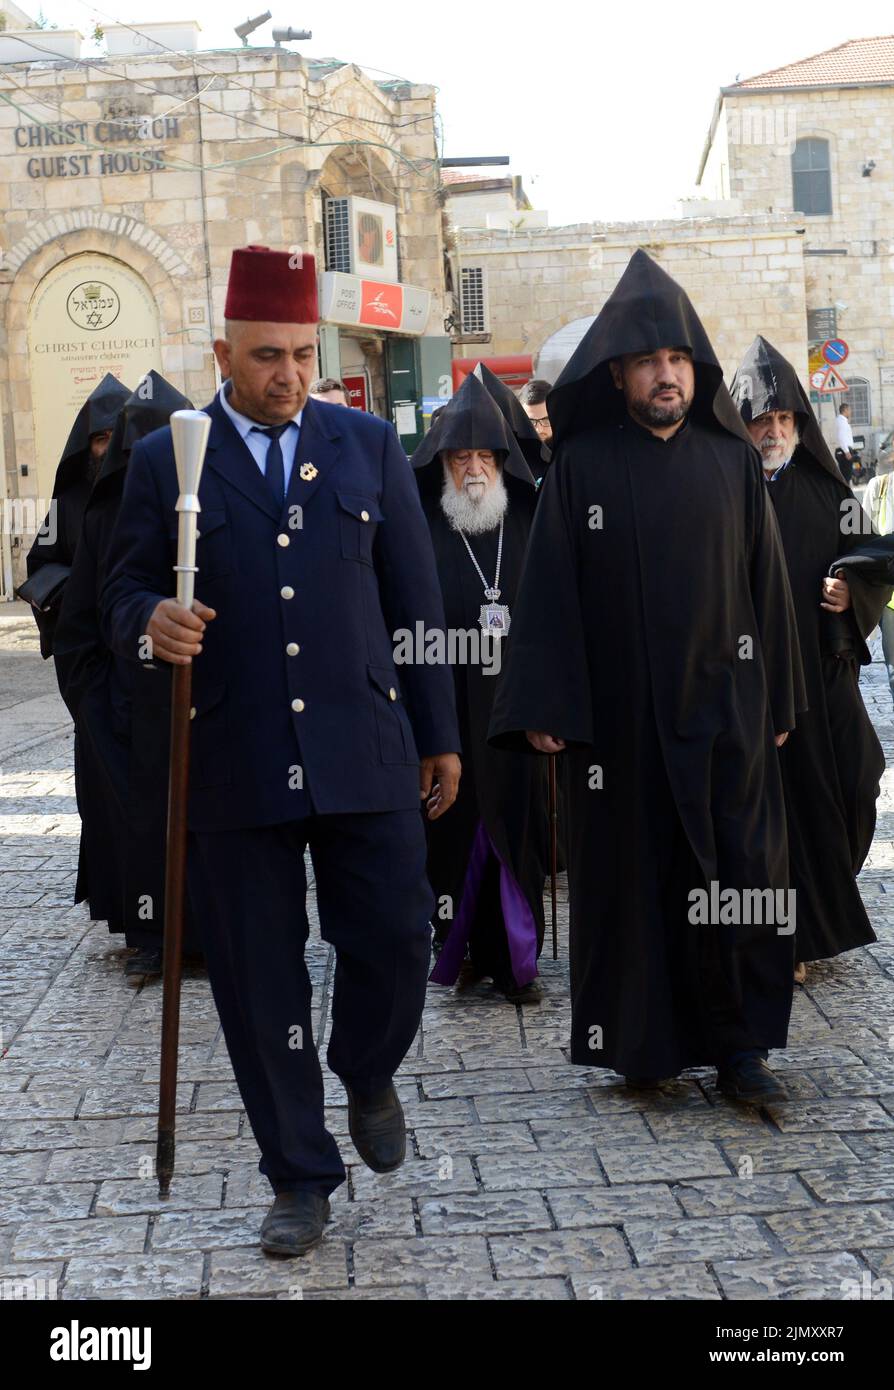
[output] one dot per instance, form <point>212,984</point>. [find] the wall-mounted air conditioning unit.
<point>361,238</point>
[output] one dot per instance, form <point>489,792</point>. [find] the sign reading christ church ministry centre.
<point>90,315</point>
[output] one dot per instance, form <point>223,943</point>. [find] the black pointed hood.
<point>645,311</point>
<point>471,419</point>
<point>99,412</point>
<point>148,408</point>
<point>767,381</point>
<point>526,437</point>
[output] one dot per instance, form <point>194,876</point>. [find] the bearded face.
<point>776,436</point>
<point>658,386</point>
<point>474,497</point>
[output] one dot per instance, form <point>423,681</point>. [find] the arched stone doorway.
<point>89,315</point>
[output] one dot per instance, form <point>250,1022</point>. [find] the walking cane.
<point>553,846</point>
<point>189,429</point>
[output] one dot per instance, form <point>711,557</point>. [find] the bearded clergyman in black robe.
<point>121,725</point>
<point>654,641</point>
<point>486,857</point>
<point>833,762</point>
<point>52,553</point>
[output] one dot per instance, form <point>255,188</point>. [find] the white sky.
<point>602,111</point>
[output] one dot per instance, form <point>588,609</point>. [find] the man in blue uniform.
<point>313,551</point>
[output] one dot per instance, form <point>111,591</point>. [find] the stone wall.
<point>247,140</point>
<point>849,256</point>
<point>745,276</point>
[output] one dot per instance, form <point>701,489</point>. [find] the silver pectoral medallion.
<point>494,619</point>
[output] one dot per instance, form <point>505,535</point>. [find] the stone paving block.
<point>783,1153</point>
<point>58,1134</point>
<point>556,1135</point>
<point>206,1230</point>
<point>661,1162</point>
<point>223,1126</point>
<point>498,1081</point>
<point>510,1290</point>
<point>831,1115</point>
<point>46,1202</point>
<point>610,1206</point>
<point>95,1236</point>
<point>134,1277</point>
<point>722,1124</point>
<point>717,1196</point>
<point>666,1242</point>
<point>539,1105</point>
<point>524,1172</point>
<point>834,1228</point>
<point>419,1258</point>
<point>869,1144</point>
<point>17,1169</point>
<point>473,1139</point>
<point>558,1252</point>
<point>112,1100</point>
<point>882,1264</point>
<point>870,1181</point>
<point>822,1277</point>
<point>402,1294</point>
<point>247,1271</point>
<point>35,1280</point>
<point>188,1193</point>
<point>678,1282</point>
<point>482,1213</point>
<point>419,1177</point>
<point>391,1216</point>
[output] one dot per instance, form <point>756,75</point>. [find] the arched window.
<point>812,177</point>
<point>857,397</point>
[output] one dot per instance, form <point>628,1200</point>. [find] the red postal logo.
<point>381,305</point>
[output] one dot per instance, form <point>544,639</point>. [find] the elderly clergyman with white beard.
<point>487,856</point>
<point>832,763</point>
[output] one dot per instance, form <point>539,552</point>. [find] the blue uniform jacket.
<point>298,705</point>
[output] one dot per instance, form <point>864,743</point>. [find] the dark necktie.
<point>274,469</point>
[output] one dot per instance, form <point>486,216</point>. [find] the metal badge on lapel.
<point>307,472</point>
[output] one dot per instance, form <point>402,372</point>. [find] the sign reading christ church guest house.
<point>90,315</point>
<point>114,147</point>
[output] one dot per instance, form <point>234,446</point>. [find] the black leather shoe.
<point>752,1082</point>
<point>377,1129</point>
<point>144,964</point>
<point>294,1224</point>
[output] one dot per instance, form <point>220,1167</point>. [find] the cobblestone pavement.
<point>527,1178</point>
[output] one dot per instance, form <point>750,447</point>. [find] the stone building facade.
<point>541,288</point>
<point>125,184</point>
<point>817,138</point>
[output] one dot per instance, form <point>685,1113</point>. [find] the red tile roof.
<point>481,175</point>
<point>858,60</point>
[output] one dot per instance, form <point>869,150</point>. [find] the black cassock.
<point>121,711</point>
<point>654,633</point>
<point>487,855</point>
<point>55,545</point>
<point>833,762</point>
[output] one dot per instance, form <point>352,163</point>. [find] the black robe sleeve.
<point>868,565</point>
<point>545,682</point>
<point>774,610</point>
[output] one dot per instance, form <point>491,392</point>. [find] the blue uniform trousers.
<point>248,891</point>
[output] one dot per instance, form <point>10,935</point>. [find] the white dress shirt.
<point>843,432</point>
<point>258,444</point>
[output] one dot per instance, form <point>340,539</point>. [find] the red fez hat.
<point>272,286</point>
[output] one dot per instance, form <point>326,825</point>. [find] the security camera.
<point>842,308</point>
<point>868,168</point>
<point>290,35</point>
<point>243,30</point>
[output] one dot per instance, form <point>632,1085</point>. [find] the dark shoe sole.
<point>293,1252</point>
<point>375,1167</point>
<point>271,1245</point>
<point>769,1097</point>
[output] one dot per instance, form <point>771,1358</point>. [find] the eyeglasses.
<point>541,423</point>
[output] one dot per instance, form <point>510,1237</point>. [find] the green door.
<point>404,395</point>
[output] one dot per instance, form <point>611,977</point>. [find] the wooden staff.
<point>189,429</point>
<point>553,846</point>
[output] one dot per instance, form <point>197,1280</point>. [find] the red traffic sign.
<point>835,351</point>
<point>833,381</point>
